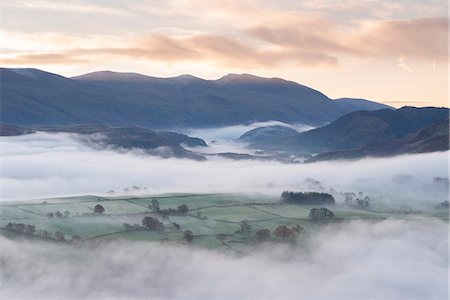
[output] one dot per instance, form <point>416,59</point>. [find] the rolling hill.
<point>161,143</point>
<point>430,139</point>
<point>34,97</point>
<point>355,130</point>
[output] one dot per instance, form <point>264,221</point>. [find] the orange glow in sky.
<point>393,52</point>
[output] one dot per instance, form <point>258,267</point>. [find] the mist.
<point>391,259</point>
<point>229,133</point>
<point>225,139</point>
<point>377,259</point>
<point>48,164</point>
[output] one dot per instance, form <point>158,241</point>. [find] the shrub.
<point>188,236</point>
<point>98,209</point>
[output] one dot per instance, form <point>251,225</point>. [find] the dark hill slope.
<point>353,104</point>
<point>357,129</point>
<point>263,133</point>
<point>161,143</point>
<point>430,139</point>
<point>35,97</point>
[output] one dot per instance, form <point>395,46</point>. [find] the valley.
<point>236,222</point>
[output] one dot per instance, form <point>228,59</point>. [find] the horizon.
<point>390,52</point>
<point>393,105</point>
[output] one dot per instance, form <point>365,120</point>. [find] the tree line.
<point>307,198</point>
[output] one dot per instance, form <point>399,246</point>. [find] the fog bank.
<point>43,164</point>
<point>392,259</point>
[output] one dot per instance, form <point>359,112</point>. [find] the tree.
<point>155,205</point>
<point>127,226</point>
<point>45,235</point>
<point>262,235</point>
<point>59,236</point>
<point>98,209</point>
<point>320,214</point>
<point>245,226</point>
<point>29,229</point>
<point>188,236</point>
<point>285,233</point>
<point>221,237</point>
<point>152,224</point>
<point>296,230</point>
<point>282,232</point>
<point>183,208</point>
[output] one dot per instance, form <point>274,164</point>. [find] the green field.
<point>214,219</point>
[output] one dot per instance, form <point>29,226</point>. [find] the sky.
<point>393,52</point>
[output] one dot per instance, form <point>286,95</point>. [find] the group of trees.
<point>129,227</point>
<point>31,230</point>
<point>98,209</point>
<point>282,232</point>
<point>58,214</point>
<point>352,200</point>
<point>153,224</point>
<point>198,214</point>
<point>286,233</point>
<point>320,214</point>
<point>262,235</point>
<point>180,210</point>
<point>307,198</point>
<point>21,228</point>
<point>245,226</point>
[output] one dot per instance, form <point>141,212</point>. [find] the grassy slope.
<point>223,213</point>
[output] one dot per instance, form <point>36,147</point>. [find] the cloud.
<point>391,259</point>
<point>43,164</point>
<point>424,38</point>
<point>402,63</point>
<point>43,59</point>
<point>301,43</point>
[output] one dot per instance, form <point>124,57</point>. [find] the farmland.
<point>215,220</point>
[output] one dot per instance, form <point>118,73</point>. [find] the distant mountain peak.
<point>185,78</point>
<point>245,77</point>
<point>112,76</point>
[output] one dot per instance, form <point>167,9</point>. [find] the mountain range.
<point>34,97</point>
<point>376,133</point>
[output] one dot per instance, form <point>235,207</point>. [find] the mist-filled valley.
<point>231,149</point>
<point>59,164</point>
<point>405,254</point>
<point>408,258</point>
